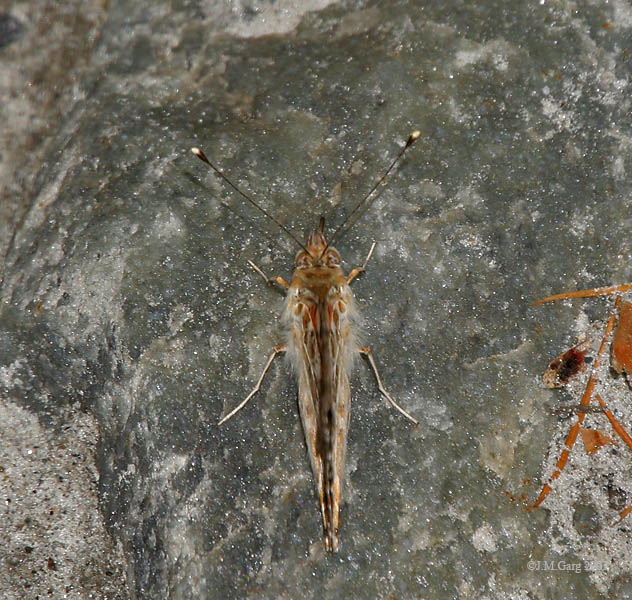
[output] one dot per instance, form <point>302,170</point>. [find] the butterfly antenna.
<point>260,208</point>
<point>412,138</point>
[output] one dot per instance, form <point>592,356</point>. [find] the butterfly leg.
<point>275,351</point>
<point>355,272</point>
<point>369,355</point>
<point>278,280</point>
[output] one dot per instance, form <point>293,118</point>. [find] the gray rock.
<point>127,293</point>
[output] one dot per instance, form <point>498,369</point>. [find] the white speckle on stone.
<point>483,539</point>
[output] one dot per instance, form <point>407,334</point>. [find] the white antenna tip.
<point>415,134</point>
<point>196,151</point>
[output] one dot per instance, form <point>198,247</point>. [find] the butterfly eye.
<point>303,260</point>
<point>332,259</point>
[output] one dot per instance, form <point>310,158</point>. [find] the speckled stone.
<point>127,292</point>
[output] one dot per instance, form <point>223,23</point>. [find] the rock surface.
<point>127,298</point>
